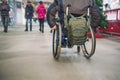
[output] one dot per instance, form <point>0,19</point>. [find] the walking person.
<point>41,12</point>
<point>4,9</point>
<point>29,10</point>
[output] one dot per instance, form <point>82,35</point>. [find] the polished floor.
<point>28,56</point>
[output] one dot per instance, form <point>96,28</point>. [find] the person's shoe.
<point>26,30</point>
<point>5,31</point>
<point>69,45</point>
<point>40,30</point>
<point>63,45</point>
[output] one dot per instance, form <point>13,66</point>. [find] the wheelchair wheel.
<point>56,43</point>
<point>89,46</point>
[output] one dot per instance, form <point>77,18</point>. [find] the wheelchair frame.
<point>87,50</point>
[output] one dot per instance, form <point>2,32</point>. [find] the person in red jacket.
<point>41,12</point>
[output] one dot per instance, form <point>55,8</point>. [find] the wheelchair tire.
<point>56,43</point>
<point>89,46</point>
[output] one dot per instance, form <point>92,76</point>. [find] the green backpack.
<point>77,30</point>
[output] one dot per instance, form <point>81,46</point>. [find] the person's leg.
<point>6,23</point>
<point>64,29</point>
<point>40,24</point>
<point>64,34</point>
<point>31,24</point>
<point>3,22</point>
<point>42,27</point>
<point>26,25</point>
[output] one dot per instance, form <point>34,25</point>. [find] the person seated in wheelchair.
<point>76,8</point>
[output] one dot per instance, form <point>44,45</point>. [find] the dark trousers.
<point>28,20</point>
<point>41,24</point>
<point>5,21</point>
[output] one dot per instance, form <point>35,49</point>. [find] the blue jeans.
<point>28,20</point>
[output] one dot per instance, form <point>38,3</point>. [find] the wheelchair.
<point>88,48</point>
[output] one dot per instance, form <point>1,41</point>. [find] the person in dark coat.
<point>29,10</point>
<point>76,8</point>
<point>4,9</point>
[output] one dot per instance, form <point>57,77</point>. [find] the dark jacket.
<point>77,7</point>
<point>4,8</point>
<point>29,10</point>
